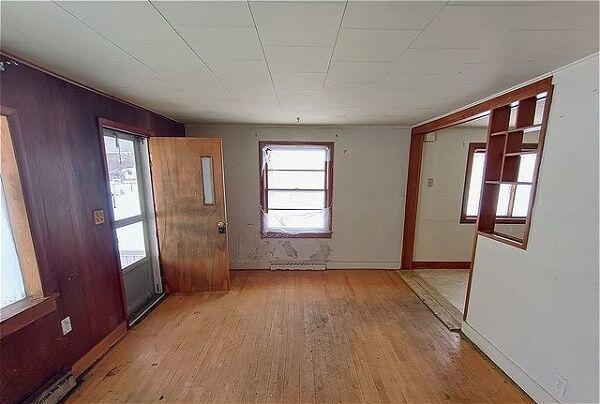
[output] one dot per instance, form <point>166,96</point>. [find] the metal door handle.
<point>221,227</point>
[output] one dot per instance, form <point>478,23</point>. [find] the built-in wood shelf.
<point>521,153</point>
<point>508,182</point>
<point>526,128</point>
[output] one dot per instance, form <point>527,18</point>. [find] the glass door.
<point>128,173</point>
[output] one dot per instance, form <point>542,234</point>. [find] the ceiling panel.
<point>206,13</point>
<point>390,14</point>
<point>298,81</point>
<point>299,59</point>
<point>357,71</point>
<point>237,43</point>
<point>368,45</point>
<point>266,62</point>
<point>297,23</point>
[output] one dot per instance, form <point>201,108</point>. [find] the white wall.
<point>439,235</point>
<point>535,311</point>
<point>370,171</point>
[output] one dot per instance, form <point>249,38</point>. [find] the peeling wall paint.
<point>370,171</point>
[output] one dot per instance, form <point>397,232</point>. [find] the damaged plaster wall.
<point>370,171</point>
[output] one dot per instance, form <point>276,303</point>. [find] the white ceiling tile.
<point>224,42</point>
<point>431,61</point>
<point>298,81</point>
<point>357,71</point>
<point>390,14</point>
<point>299,59</point>
<point>235,70</point>
<point>367,45</point>
<point>123,22</point>
<point>468,50</point>
<point>206,13</point>
<point>300,96</point>
<point>292,23</point>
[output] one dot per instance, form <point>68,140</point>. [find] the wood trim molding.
<point>15,199</point>
<point>123,127</point>
<point>24,312</point>
<point>466,114</point>
<point>441,264</point>
<point>99,350</point>
<point>412,199</point>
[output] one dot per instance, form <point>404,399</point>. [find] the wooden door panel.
<point>193,254</point>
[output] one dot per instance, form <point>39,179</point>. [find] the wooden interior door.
<point>191,220</point>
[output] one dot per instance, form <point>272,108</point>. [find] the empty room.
<point>299,201</point>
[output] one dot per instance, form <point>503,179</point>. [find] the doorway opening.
<point>129,182</point>
<point>472,173</point>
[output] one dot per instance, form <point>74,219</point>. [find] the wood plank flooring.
<point>331,336</point>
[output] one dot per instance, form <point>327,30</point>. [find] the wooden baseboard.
<point>441,265</point>
<point>87,360</point>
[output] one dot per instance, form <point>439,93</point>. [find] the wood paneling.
<point>60,162</point>
<point>193,255</point>
<point>286,337</point>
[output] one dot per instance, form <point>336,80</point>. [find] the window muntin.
<point>296,192</point>
<point>513,199</point>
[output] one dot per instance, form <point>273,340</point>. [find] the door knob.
<point>221,227</point>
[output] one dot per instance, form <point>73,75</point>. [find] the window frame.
<point>36,303</point>
<point>265,233</point>
<point>464,218</point>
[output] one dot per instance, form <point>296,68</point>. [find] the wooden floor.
<point>331,336</point>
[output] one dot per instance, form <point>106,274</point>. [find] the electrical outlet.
<point>429,182</point>
<point>65,323</point>
<point>560,385</point>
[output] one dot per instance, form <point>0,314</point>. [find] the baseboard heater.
<point>55,391</point>
<point>297,266</point>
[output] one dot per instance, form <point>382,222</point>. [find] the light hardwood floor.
<point>331,336</point>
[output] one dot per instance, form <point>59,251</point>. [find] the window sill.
<point>24,312</point>
<point>275,234</point>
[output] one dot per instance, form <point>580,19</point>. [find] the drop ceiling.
<point>330,63</point>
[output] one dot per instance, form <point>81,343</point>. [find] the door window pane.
<point>208,190</point>
<point>11,281</point>
<point>132,247</point>
<point>120,159</point>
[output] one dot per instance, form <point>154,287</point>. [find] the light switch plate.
<point>65,323</point>
<point>98,216</point>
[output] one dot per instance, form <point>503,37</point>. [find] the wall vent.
<point>297,266</point>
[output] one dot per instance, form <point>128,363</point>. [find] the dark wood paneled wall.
<point>59,146</point>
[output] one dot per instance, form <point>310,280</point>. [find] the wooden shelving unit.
<point>504,150</point>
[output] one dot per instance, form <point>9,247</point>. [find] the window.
<point>22,300</point>
<point>296,189</point>
<point>513,199</point>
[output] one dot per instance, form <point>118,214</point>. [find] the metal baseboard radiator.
<point>56,391</point>
<point>297,266</point>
